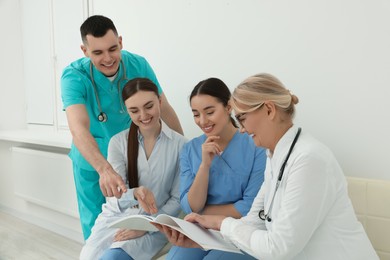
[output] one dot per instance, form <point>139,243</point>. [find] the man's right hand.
<point>111,183</point>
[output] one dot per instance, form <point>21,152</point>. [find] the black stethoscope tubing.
<point>102,117</point>
<point>262,214</point>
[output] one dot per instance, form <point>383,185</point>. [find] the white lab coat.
<point>312,215</point>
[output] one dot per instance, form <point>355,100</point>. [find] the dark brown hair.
<point>97,26</point>
<point>131,88</point>
<point>216,88</point>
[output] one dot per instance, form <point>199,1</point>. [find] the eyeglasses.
<point>242,116</point>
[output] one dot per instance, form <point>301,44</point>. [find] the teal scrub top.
<point>77,88</point>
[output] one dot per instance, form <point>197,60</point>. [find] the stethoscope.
<point>102,117</point>
<point>262,214</point>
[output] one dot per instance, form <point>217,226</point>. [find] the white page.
<point>135,222</point>
<point>208,239</point>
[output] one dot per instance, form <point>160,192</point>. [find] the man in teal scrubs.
<point>91,90</point>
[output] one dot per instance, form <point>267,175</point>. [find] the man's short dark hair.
<point>97,26</point>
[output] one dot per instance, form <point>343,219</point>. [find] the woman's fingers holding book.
<point>184,241</point>
<point>206,221</point>
<point>178,239</point>
<point>170,233</point>
<point>158,226</point>
<point>167,231</point>
<point>196,218</point>
<point>192,217</point>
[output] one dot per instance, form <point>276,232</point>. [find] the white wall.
<point>333,54</point>
<point>12,97</point>
<point>13,116</point>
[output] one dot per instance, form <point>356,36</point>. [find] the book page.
<point>207,238</point>
<point>168,221</point>
<point>135,222</point>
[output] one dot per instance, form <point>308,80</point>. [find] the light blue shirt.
<point>160,174</point>
<point>77,88</point>
<point>235,176</point>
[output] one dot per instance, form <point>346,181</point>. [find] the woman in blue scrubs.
<point>222,170</point>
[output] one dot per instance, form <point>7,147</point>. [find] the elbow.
<point>75,134</point>
<point>195,203</point>
<point>185,206</point>
<point>193,207</point>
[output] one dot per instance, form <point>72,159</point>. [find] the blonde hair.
<point>259,88</point>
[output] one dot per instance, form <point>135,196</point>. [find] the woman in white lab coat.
<point>146,156</point>
<point>302,210</point>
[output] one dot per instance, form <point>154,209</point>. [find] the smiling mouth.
<point>109,65</point>
<point>146,121</point>
<point>207,129</point>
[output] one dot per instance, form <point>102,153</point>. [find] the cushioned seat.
<point>371,201</point>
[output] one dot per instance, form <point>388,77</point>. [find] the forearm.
<point>227,210</point>
<point>173,122</point>
<point>197,195</point>
<point>169,116</point>
<point>88,147</point>
<point>110,182</point>
<point>79,124</point>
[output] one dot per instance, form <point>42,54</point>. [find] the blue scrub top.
<point>77,88</point>
<point>235,176</point>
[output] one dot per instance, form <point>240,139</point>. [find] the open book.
<point>206,238</point>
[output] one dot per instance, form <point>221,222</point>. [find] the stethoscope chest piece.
<point>102,117</point>
<point>263,216</point>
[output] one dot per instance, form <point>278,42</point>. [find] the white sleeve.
<point>239,231</point>
<point>308,195</point>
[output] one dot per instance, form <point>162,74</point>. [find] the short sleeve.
<point>186,178</point>
<point>73,90</point>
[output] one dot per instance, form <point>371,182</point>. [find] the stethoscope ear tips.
<point>102,117</point>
